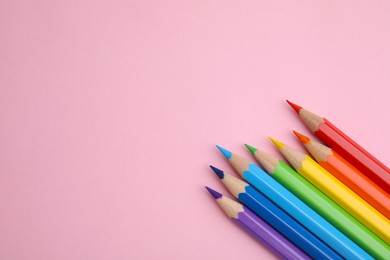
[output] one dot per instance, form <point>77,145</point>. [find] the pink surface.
<point>110,111</point>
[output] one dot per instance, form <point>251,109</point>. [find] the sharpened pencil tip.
<point>278,144</point>
<point>304,139</point>
<point>225,152</point>
<point>215,194</point>
<point>251,148</point>
<point>294,106</point>
<point>217,171</point>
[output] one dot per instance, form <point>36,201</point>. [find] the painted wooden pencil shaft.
<point>276,217</point>
<point>259,229</point>
<point>295,207</point>
<point>337,191</point>
<point>324,206</point>
<point>349,175</point>
<point>346,147</point>
<point>355,154</point>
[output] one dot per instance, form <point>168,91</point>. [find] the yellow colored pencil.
<point>336,191</point>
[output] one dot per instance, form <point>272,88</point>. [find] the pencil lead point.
<point>251,148</point>
<point>278,144</point>
<point>304,139</point>
<point>215,194</point>
<point>294,106</point>
<point>225,152</point>
<point>217,171</point>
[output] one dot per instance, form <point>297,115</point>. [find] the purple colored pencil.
<point>259,229</point>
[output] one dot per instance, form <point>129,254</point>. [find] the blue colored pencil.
<point>295,207</point>
<point>276,217</point>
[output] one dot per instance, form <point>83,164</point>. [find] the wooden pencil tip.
<point>278,144</point>
<point>214,193</point>
<point>304,139</point>
<point>225,152</point>
<point>294,106</point>
<point>217,171</point>
<point>251,148</point>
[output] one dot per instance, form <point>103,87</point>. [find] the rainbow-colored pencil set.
<point>335,206</point>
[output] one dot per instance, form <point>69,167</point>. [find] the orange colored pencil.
<point>349,175</point>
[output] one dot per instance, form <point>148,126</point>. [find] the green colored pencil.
<point>323,205</point>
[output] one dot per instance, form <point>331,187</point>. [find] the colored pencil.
<point>345,146</point>
<point>347,174</point>
<point>337,191</point>
<point>295,207</point>
<point>276,217</point>
<point>258,228</point>
<point>323,205</point>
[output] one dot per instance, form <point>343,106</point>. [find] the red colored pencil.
<point>346,147</point>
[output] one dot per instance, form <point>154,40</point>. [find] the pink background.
<point>110,111</point>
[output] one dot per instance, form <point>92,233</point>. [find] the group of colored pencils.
<point>333,205</point>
